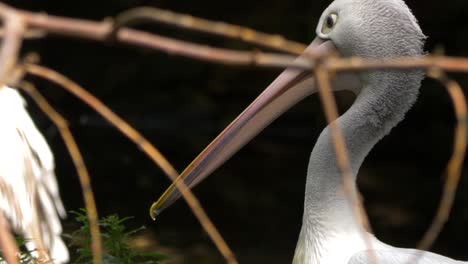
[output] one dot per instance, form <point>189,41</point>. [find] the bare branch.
<point>151,14</point>
<point>455,164</point>
<point>101,31</point>
<point>7,242</point>
<point>446,63</point>
<point>28,34</point>
<point>143,144</point>
<point>82,171</point>
<point>12,38</point>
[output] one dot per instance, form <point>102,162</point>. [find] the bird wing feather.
<point>29,195</point>
<point>400,255</point>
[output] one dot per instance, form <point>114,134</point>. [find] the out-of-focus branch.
<point>151,14</point>
<point>82,171</point>
<point>8,245</point>
<point>143,144</point>
<point>13,36</point>
<point>101,31</point>
<point>446,63</point>
<point>455,164</point>
<point>13,29</point>
<point>29,34</point>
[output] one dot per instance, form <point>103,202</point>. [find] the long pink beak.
<point>290,87</point>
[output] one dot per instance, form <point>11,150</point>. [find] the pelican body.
<point>330,233</point>
<point>29,194</point>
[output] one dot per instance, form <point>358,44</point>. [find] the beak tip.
<point>155,211</point>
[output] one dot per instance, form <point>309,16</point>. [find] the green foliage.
<point>115,239</point>
<point>26,255</point>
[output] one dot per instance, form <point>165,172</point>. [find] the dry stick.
<point>28,34</point>
<point>8,245</point>
<point>151,14</point>
<point>12,38</point>
<point>99,31</point>
<point>8,55</point>
<point>142,143</point>
<point>342,158</point>
<point>446,63</point>
<point>80,166</point>
<point>455,164</point>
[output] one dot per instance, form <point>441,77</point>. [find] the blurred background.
<point>180,105</point>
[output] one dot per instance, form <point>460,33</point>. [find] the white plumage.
<point>29,195</point>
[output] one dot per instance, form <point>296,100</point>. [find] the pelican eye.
<point>329,23</point>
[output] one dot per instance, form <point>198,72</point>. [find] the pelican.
<point>29,195</point>
<point>330,234</point>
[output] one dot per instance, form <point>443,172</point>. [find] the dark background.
<point>181,105</point>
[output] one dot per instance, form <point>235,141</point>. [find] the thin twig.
<point>12,38</point>
<point>455,164</point>
<point>151,14</point>
<point>100,31</point>
<point>342,158</point>
<point>8,245</point>
<point>27,34</point>
<point>143,144</point>
<point>82,171</point>
<point>8,55</point>
<point>446,63</point>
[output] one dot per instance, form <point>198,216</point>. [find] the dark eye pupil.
<point>330,21</point>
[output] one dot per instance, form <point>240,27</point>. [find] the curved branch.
<point>455,164</point>
<point>14,26</point>
<point>151,14</point>
<point>143,144</point>
<point>7,242</point>
<point>77,158</point>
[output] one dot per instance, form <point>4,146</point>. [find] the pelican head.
<point>365,28</point>
<point>371,28</point>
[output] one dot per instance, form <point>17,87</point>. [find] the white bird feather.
<point>29,194</point>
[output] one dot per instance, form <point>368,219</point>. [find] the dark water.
<point>256,198</point>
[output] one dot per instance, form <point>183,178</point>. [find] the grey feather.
<point>330,234</point>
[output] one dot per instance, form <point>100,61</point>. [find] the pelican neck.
<point>382,103</point>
